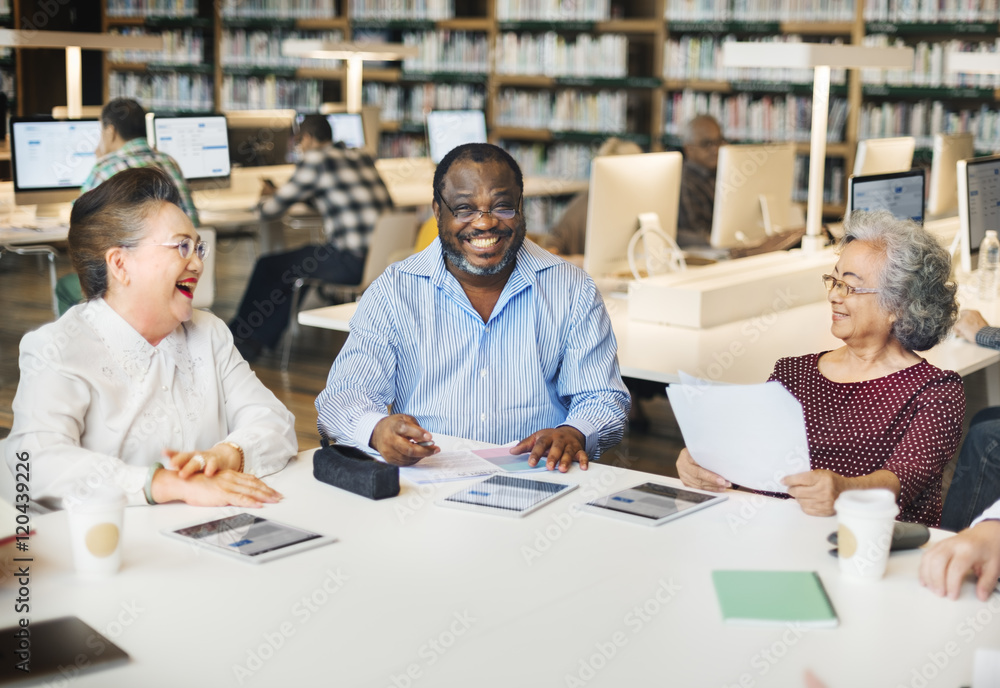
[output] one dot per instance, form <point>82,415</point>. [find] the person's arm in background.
<point>944,566</point>
<point>972,327</point>
<point>300,188</point>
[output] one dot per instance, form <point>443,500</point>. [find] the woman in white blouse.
<point>135,376</point>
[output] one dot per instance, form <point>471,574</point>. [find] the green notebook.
<point>773,598</point>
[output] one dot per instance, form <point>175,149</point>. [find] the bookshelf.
<point>556,78</point>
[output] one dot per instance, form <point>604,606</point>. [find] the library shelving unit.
<point>556,78</point>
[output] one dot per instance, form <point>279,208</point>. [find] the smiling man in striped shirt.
<point>482,335</point>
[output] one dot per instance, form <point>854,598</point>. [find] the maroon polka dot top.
<point>908,422</point>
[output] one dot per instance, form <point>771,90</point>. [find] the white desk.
<point>742,352</point>
<point>463,599</point>
<point>24,234</point>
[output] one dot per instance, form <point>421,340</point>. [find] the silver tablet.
<point>653,504</point>
<point>507,495</point>
<point>250,538</point>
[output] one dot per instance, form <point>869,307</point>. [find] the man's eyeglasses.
<point>844,289</point>
<point>186,246</point>
<point>710,143</point>
<point>467,215</point>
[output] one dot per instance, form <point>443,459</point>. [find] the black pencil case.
<point>353,470</point>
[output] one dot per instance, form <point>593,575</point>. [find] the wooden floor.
<point>26,304</point>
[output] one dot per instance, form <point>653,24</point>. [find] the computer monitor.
<point>881,156</point>
<point>621,188</point>
<point>978,202</point>
<point>199,144</point>
<point>749,179</point>
<point>948,150</point>
<point>447,129</point>
<point>51,158</point>
<point>901,193</point>
<point>348,128</point>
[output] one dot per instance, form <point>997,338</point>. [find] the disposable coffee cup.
<point>95,529</point>
<point>866,519</point>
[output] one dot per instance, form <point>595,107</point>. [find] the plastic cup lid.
<point>874,503</point>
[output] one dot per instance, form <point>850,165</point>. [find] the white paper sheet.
<point>447,466</point>
<point>752,435</point>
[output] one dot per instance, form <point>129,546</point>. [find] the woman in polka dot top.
<point>877,414</point>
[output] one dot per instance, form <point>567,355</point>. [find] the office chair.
<point>393,231</point>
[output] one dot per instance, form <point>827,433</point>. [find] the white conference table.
<point>742,352</point>
<point>458,598</point>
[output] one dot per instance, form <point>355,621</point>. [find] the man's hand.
<point>943,566</point>
<point>815,491</point>
<point>693,475</point>
<point>968,324</point>
<point>562,446</point>
<point>396,438</point>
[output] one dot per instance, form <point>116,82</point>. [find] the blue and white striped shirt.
<point>546,357</point>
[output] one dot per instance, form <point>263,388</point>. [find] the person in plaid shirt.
<point>123,146</point>
<point>345,188</point>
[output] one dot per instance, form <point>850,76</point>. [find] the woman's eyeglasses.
<point>844,289</point>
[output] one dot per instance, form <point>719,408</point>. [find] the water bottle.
<point>989,266</point>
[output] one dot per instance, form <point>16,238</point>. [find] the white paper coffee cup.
<point>866,519</point>
<point>95,529</point>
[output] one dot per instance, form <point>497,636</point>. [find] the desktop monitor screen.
<point>881,156</point>
<point>348,128</point>
<point>901,193</point>
<point>978,201</point>
<point>199,144</point>
<point>621,188</point>
<point>447,129</point>
<point>748,179</point>
<point>948,150</point>
<point>52,158</point>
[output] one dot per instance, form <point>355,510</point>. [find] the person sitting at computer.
<point>135,376</point>
<point>876,413</point>
<point>123,146</point>
<point>482,335</point>
<point>568,237</point>
<point>346,189</point>
<point>702,140</point>
<point>943,566</point>
<point>975,484</point>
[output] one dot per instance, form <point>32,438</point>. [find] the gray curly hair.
<point>914,284</point>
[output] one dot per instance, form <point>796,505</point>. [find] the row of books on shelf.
<point>557,161</point>
<point>553,10</point>
<point>5,7</point>
<point>929,64</point>
<point>165,91</point>
<point>402,9</point>
<point>447,51</point>
<point>142,8</point>
<point>412,103</point>
<point>270,92</point>
<point>182,46</point>
<point>541,213</point>
<point>760,10</point>
<point>402,146</point>
<point>240,47</point>
<point>569,110</point>
<point>925,118</point>
<point>747,118</point>
<point>553,54</point>
<point>700,57</point>
<point>833,180</point>
<point>932,11</point>
<point>283,9</point>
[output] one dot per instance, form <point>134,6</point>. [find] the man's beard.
<point>455,256</point>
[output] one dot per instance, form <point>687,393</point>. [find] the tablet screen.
<point>246,534</point>
<point>507,493</point>
<point>652,501</point>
